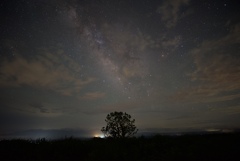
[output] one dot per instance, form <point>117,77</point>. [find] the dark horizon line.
<point>142,134</point>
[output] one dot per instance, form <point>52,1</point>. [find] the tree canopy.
<point>119,125</point>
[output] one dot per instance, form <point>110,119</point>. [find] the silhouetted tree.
<point>119,125</point>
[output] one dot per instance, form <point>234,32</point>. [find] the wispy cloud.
<point>93,95</point>
<point>217,71</point>
<point>54,71</point>
<point>170,11</point>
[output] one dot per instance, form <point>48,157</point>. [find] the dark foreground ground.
<point>212,147</point>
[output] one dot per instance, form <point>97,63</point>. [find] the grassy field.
<point>211,147</point>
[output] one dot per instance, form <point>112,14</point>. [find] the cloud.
<point>41,109</point>
<point>167,45</point>
<point>39,106</point>
<point>169,11</point>
<point>217,71</point>
<point>217,62</point>
<point>93,95</point>
<point>49,71</point>
<point>171,43</point>
<point>118,106</point>
<point>122,39</point>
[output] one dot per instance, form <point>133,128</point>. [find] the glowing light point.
<point>99,136</point>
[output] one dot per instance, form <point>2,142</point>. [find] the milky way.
<point>173,65</point>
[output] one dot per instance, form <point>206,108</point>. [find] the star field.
<point>173,65</point>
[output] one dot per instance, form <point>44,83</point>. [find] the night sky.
<point>173,65</point>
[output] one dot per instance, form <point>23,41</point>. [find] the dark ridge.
<point>215,146</point>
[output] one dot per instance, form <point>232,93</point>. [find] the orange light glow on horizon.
<point>99,136</point>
